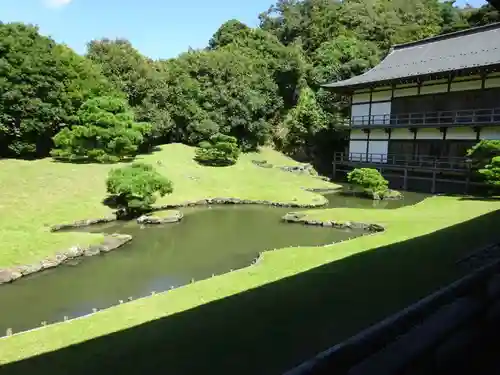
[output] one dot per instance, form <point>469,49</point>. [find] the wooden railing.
<point>461,163</point>
<point>442,118</point>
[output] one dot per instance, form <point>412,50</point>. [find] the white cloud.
<point>56,3</point>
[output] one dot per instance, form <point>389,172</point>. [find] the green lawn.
<point>268,317</point>
<point>38,194</point>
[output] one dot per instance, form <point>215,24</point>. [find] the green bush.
<point>491,173</point>
<point>222,150</point>
<point>482,153</point>
<point>136,187</point>
<point>370,180</point>
<point>106,132</point>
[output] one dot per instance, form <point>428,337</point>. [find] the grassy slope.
<point>417,252</point>
<point>38,194</point>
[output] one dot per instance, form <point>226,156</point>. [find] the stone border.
<point>204,202</point>
<point>222,200</point>
<point>254,262</point>
<point>302,218</point>
<point>324,190</point>
<point>116,240</point>
<point>109,243</point>
<point>82,223</point>
<point>174,217</point>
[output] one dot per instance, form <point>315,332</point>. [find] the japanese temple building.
<point>426,103</point>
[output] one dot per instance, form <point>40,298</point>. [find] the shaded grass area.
<point>267,318</point>
<point>41,193</point>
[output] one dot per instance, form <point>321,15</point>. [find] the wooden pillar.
<point>477,129</point>
<point>433,187</point>
<point>405,179</point>
<point>467,183</point>
<point>414,131</point>
<point>334,171</point>
<point>367,131</point>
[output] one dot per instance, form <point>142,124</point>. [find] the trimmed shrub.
<point>370,181</point>
<point>491,173</point>
<point>221,150</point>
<point>106,133</point>
<point>135,188</point>
<point>483,152</point>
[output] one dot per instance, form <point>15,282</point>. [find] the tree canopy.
<point>42,86</point>
<point>259,85</point>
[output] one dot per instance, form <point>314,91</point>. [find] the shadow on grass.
<point>91,161</point>
<point>475,197</point>
<point>272,328</point>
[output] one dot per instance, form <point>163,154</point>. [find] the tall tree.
<point>42,86</point>
<point>139,77</point>
<point>222,91</point>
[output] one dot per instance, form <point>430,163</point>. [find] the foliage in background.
<point>303,123</point>
<point>482,153</point>
<point>221,150</point>
<point>42,86</point>
<point>370,180</point>
<point>140,79</point>
<point>246,83</point>
<point>491,173</point>
<point>135,188</point>
<point>106,132</point>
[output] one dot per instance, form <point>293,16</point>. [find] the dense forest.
<point>260,85</point>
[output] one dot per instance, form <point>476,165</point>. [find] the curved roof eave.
<point>464,50</point>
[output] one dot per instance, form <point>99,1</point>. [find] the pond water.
<point>207,241</point>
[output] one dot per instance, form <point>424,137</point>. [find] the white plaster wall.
<point>380,109</point>
<point>383,94</point>
<point>466,133</point>
<point>429,134</point>
<point>357,150</point>
<point>360,97</point>
<point>467,85</point>
<point>492,133</point>
<point>409,91</point>
<point>380,149</point>
<point>358,134</point>
<point>403,133</point>
<point>378,134</point>
<point>492,82</point>
<point>433,89</point>
<point>360,110</point>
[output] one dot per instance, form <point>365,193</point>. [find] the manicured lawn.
<point>271,316</point>
<point>38,194</point>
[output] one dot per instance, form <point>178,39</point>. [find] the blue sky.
<point>158,28</point>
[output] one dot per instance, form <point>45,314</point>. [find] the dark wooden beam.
<point>443,130</point>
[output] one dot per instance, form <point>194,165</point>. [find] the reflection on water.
<point>208,241</point>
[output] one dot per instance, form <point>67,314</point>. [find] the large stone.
<point>50,263</point>
<point>171,216</point>
<point>392,195</point>
<point>114,241</point>
<point>61,257</point>
<point>16,273</point>
<point>294,217</point>
<point>31,268</point>
<point>74,252</point>
<point>5,276</point>
<point>92,250</point>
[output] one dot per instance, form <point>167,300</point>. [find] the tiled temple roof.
<point>475,48</point>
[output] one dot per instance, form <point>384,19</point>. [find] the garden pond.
<point>209,240</point>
